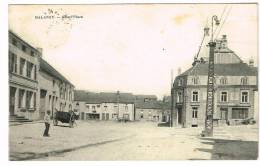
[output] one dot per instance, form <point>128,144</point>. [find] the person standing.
<point>47,121</point>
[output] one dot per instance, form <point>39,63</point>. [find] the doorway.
<point>179,112</point>
<point>12,100</point>
<point>194,122</point>
<point>224,114</point>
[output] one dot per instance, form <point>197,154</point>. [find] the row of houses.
<point>34,85</point>
<point>114,106</point>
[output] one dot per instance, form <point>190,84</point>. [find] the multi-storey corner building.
<point>23,78</point>
<point>35,86</point>
<point>104,106</point>
<point>235,89</point>
<point>56,92</point>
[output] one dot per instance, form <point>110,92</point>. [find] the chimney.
<point>179,71</point>
<point>251,62</point>
<point>224,41</point>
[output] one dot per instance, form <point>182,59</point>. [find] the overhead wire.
<point>224,21</point>
<point>223,11</point>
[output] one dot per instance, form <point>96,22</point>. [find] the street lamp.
<point>217,22</point>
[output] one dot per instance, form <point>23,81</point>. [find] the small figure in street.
<point>47,121</point>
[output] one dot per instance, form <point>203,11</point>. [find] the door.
<point>107,116</point>
<point>12,100</point>
<point>126,116</point>
<point>103,116</point>
<point>224,114</point>
<point>82,115</point>
<point>42,103</point>
<point>194,122</point>
<point>179,116</point>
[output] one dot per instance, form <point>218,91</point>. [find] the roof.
<point>153,105</point>
<point>148,105</point>
<point>103,97</point>
<point>145,96</point>
<point>24,42</point>
<point>46,67</point>
<point>234,69</point>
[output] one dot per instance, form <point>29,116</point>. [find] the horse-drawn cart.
<point>65,117</point>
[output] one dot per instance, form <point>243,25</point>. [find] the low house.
<point>104,106</point>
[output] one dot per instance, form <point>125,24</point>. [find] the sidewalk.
<point>26,141</point>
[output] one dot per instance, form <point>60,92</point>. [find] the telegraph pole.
<point>208,132</point>
<point>171,117</point>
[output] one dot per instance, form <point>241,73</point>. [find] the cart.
<point>65,117</point>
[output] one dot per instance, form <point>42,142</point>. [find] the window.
<point>195,80</point>
<point>32,53</point>
<point>223,96</point>
<point>141,114</point>
<point>21,94</point>
<point>14,42</point>
<point>93,108</point>
<point>180,82</point>
<point>24,48</point>
<point>53,83</point>
<point>13,63</point>
<point>87,106</point>
<point>35,72</point>
<point>29,99</point>
<point>29,67</point>
<point>34,100</point>
<point>239,113</point>
<point>98,106</point>
<point>147,99</point>
<point>105,108</point>
<point>244,81</point>
<point>114,115</point>
<point>223,81</point>
<point>244,97</point>
<point>179,97</point>
<point>195,96</point>
<point>22,63</point>
<point>194,112</point>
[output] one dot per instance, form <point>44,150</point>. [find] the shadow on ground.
<point>231,149</point>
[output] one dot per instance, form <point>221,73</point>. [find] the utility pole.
<point>208,132</point>
<point>171,114</point>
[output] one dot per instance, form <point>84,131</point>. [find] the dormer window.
<point>244,81</point>
<point>195,80</point>
<point>223,81</point>
<point>14,42</point>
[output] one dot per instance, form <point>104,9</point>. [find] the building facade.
<point>148,108</point>
<point>104,106</point>
<point>55,91</point>
<point>23,78</point>
<point>34,85</point>
<point>235,88</point>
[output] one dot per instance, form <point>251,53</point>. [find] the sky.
<point>131,48</point>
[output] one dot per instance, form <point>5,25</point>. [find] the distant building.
<point>149,111</point>
<point>148,108</point>
<point>23,78</point>
<point>235,88</point>
<point>104,106</point>
<point>56,92</point>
